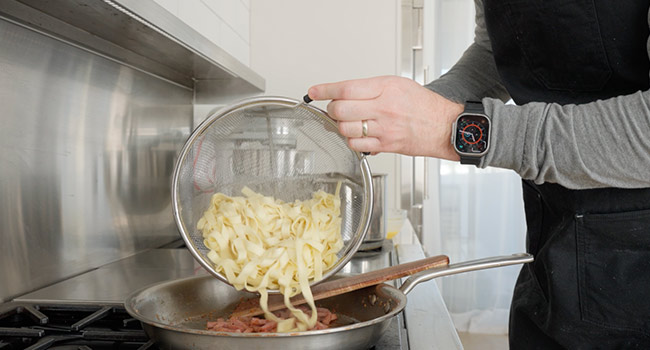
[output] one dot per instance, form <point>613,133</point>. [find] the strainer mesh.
<point>277,147</point>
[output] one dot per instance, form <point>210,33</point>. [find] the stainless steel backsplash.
<point>87,147</point>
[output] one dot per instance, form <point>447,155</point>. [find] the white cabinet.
<point>224,22</point>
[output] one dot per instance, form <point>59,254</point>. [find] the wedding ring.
<point>364,128</point>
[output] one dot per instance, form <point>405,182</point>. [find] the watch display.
<point>472,133</point>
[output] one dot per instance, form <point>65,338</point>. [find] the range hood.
<point>141,34</point>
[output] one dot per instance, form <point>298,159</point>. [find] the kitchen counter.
<point>425,323</point>
<point>429,324</point>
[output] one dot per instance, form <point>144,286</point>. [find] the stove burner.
<point>374,248</point>
<point>70,327</point>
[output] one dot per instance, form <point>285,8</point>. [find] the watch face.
<point>472,132</point>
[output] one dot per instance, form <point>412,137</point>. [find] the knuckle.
<point>353,143</point>
<point>344,128</point>
<point>336,109</point>
<point>388,110</point>
<point>379,129</point>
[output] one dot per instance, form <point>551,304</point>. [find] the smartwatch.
<point>470,134</point>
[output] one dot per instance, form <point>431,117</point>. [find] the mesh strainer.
<point>276,146</point>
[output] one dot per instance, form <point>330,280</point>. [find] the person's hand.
<point>401,116</point>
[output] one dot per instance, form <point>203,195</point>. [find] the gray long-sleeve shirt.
<point>605,143</point>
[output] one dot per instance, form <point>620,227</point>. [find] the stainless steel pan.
<point>174,314</point>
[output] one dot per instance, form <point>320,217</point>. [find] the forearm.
<point>599,144</point>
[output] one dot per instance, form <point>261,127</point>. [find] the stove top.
<point>69,327</point>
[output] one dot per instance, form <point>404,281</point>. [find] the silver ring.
<point>364,128</point>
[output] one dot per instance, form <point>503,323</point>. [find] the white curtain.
<point>478,212</point>
<point>481,215</point>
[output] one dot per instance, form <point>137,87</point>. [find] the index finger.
<point>358,89</point>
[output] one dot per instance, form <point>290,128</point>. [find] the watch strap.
<point>474,107</point>
<point>470,160</point>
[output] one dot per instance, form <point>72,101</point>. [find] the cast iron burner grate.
<point>70,327</point>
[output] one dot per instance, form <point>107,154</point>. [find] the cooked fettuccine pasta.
<point>261,243</point>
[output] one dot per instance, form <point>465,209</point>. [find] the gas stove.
<point>69,327</point>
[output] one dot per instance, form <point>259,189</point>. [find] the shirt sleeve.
<point>605,143</point>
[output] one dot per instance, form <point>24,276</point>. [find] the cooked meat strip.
<point>247,324</point>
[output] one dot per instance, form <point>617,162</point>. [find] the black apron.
<point>589,287</point>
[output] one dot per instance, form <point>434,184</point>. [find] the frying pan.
<point>174,313</point>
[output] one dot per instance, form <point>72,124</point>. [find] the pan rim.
<point>131,309</point>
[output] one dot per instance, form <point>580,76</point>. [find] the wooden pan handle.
<point>343,285</point>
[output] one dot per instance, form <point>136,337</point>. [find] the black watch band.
<point>474,107</point>
<point>470,160</point>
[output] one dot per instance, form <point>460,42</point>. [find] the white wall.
<point>224,22</point>
<point>299,43</point>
